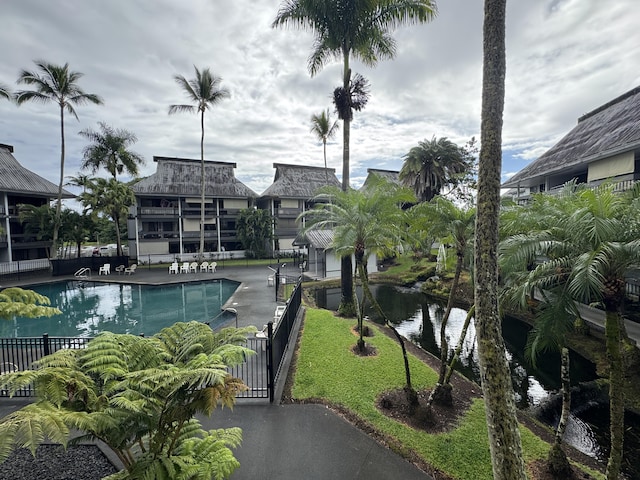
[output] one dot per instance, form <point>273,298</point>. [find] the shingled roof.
<point>295,181</point>
<point>392,176</point>
<point>181,177</point>
<point>14,178</point>
<point>608,130</point>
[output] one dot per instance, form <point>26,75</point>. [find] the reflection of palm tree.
<point>5,93</point>
<point>54,83</point>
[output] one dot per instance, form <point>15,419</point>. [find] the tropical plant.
<point>110,198</point>
<point>17,302</point>
<point>450,224</point>
<point>500,409</point>
<point>342,29</point>
<point>204,91</point>
<point>140,397</point>
<point>580,252</point>
<point>109,149</point>
<point>75,228</point>
<point>432,165</point>
<point>57,84</point>
<point>365,222</point>
<point>254,227</point>
<point>37,221</point>
<point>324,129</point>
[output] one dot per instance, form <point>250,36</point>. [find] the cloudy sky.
<point>564,58</point>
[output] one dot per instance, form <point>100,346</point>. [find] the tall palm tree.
<point>584,256</point>
<point>324,129</point>
<point>111,198</point>
<point>445,221</point>
<point>344,28</point>
<point>432,165</point>
<point>204,91</point>
<point>365,222</point>
<point>58,84</point>
<point>500,409</point>
<point>109,149</point>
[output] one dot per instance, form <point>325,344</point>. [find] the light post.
<point>234,311</point>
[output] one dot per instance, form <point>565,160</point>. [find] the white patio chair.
<point>204,267</point>
<point>105,269</point>
<point>193,267</point>
<point>212,267</point>
<point>131,270</point>
<point>174,268</point>
<point>185,267</point>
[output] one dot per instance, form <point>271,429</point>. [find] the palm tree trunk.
<point>56,223</point>
<point>346,266</point>
<point>444,349</point>
<point>500,410</point>
<point>202,185</point>
<point>326,173</point>
<point>616,392</point>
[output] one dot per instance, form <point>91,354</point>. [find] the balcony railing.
<point>159,211</point>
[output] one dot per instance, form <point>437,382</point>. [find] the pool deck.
<point>254,300</point>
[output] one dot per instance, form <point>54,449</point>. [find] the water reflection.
<point>419,319</point>
<point>89,308</point>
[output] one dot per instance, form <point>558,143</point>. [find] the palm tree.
<point>365,222</point>
<point>584,255</point>
<point>204,91</point>
<point>58,84</point>
<point>109,149</point>
<point>37,221</point>
<point>111,198</point>
<point>448,223</point>
<point>500,409</point>
<point>324,130</point>
<point>344,28</point>
<point>432,165</point>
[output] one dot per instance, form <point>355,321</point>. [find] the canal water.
<point>419,318</point>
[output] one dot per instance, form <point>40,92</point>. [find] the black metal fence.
<point>259,372</point>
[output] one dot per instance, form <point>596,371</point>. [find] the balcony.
<point>158,211</point>
<point>288,212</point>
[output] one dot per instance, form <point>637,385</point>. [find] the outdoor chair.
<point>212,267</point>
<point>204,267</point>
<point>120,269</point>
<point>193,267</point>
<point>174,268</point>
<point>278,313</point>
<point>131,270</point>
<point>185,267</point>
<point>105,269</point>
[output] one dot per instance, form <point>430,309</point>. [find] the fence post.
<point>270,369</point>
<point>45,344</point>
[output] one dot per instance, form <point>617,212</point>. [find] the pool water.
<point>89,308</point>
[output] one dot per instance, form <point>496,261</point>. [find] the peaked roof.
<point>608,130</point>
<point>181,176</point>
<point>318,239</point>
<point>295,181</point>
<point>390,175</point>
<point>14,178</point>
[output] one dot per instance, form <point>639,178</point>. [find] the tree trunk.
<point>458,349</point>
<point>346,267</point>
<point>616,392</point>
<point>500,410</point>
<point>202,185</point>
<point>557,459</point>
<point>56,222</point>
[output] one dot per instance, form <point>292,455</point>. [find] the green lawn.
<point>328,371</point>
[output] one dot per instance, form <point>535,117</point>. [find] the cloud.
<point>564,58</point>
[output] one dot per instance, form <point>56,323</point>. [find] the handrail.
<point>84,272</point>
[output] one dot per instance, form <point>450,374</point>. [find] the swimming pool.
<point>89,308</point>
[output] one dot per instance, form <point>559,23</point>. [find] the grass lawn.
<point>327,371</point>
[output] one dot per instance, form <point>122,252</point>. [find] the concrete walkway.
<point>284,442</point>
